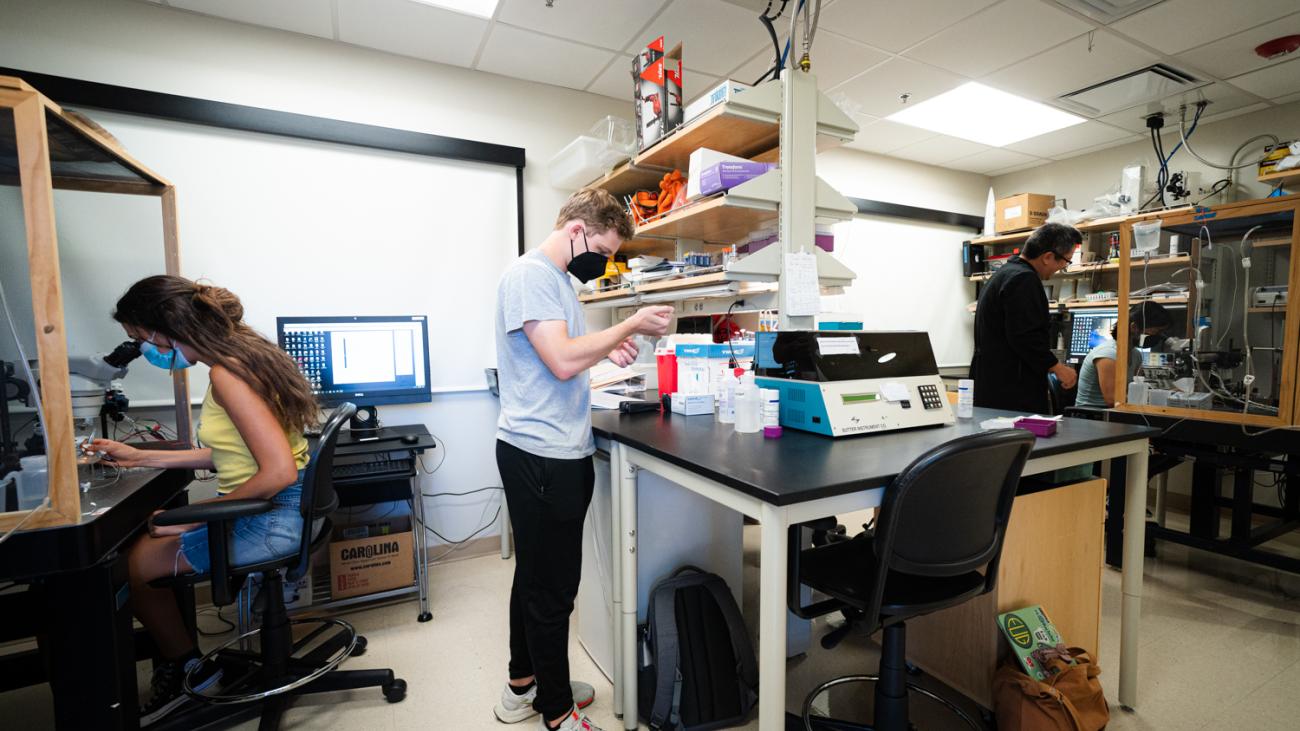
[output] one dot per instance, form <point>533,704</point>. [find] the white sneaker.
<point>513,708</point>
<point>575,722</point>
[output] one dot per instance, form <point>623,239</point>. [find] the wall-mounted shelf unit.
<point>1284,178</point>
<point>1111,223</point>
<point>1085,270</point>
<point>784,121</point>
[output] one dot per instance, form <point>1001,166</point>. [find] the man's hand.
<point>1066,375</point>
<point>624,355</point>
<point>652,320</point>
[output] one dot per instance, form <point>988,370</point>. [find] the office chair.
<point>941,519</point>
<point>283,667</point>
<point>1061,400</point>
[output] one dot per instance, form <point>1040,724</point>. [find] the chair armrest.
<point>212,512</point>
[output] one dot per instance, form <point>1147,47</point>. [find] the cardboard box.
<point>657,92</point>
<point>369,565</point>
<point>692,404</point>
<point>1022,211</point>
<point>727,175</point>
<point>700,159</point>
<point>713,97</point>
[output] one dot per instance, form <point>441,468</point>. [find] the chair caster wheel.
<point>913,670</point>
<point>424,617</point>
<point>395,691</point>
<point>359,648</point>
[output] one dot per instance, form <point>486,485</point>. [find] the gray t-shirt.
<point>1090,394</point>
<point>540,414</point>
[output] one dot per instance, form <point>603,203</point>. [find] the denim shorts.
<point>276,533</point>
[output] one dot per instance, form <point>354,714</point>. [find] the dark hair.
<point>1054,237</point>
<point>1144,315</point>
<point>212,320</point>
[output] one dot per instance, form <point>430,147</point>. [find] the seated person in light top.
<point>1099,385</point>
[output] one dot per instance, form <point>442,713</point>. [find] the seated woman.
<point>251,431</point>
<point>1099,388</point>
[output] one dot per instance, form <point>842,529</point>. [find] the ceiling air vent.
<point>1130,90</point>
<point>1107,11</point>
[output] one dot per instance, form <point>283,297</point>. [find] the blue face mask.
<point>173,361</point>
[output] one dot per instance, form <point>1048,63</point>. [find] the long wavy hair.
<point>212,320</point>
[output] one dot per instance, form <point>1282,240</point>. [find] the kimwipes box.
<point>1022,211</point>
<point>368,565</point>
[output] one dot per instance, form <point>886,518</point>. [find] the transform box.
<point>373,564</point>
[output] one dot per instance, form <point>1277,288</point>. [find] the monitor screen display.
<point>1090,328</point>
<point>366,360</point>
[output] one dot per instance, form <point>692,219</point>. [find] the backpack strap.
<point>746,665</point>
<point>668,676</point>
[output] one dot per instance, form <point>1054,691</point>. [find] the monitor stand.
<point>365,419</point>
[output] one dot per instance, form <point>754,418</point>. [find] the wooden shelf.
<point>1285,178</point>
<point>683,283</point>
<point>1086,269</point>
<point>1080,304</point>
<point>717,129</point>
<point>629,177</point>
<point>1100,224</point>
<point>1274,241</point>
<point>1279,310</point>
<point>713,220</point>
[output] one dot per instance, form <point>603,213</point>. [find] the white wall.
<point>1080,179</point>
<point>156,48</point>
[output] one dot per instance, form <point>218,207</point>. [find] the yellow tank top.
<point>230,455</point>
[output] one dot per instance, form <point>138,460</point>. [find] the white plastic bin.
<point>581,162</point>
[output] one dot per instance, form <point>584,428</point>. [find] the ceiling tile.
<point>612,27</point>
<point>1235,54</point>
<point>896,26</point>
<point>884,136</point>
<point>836,59</point>
<point>1016,168</point>
<point>755,67</point>
<point>1177,25</point>
<point>715,35</point>
<point>1222,98</point>
<point>1288,99</point>
<point>1062,141</point>
<point>999,36</point>
<point>1209,118</point>
<point>1072,66</point>
<point>411,29</point>
<point>615,81</point>
<point>990,160</point>
<point>939,149</point>
<point>513,52</point>
<point>312,17</point>
<point>1272,82</point>
<point>1107,145</point>
<point>878,90</point>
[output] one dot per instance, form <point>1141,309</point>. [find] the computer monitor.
<point>1088,329</point>
<point>370,361</point>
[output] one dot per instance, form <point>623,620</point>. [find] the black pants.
<point>548,501</point>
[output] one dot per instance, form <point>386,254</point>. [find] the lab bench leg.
<point>90,648</point>
<point>772,613</point>
<point>627,566</point>
<point>616,574</point>
<point>421,552</point>
<point>1131,584</point>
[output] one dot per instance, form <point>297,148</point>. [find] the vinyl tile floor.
<point>1220,649</point>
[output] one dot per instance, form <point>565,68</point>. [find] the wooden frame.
<point>37,178</point>
<point>1288,394</point>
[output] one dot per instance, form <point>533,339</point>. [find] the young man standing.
<point>544,444</point>
<point>1013,352</point>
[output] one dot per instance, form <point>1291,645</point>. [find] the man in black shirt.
<point>1013,350</point>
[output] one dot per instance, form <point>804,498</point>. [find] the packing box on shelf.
<point>657,91</point>
<point>1022,211</point>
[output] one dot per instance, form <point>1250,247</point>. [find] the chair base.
<point>314,669</point>
<point>808,722</point>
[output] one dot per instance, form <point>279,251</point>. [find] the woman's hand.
<point>124,455</point>
<point>159,531</point>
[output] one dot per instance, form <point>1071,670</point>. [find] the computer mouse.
<point>410,439</point>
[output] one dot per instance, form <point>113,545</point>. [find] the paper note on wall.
<point>802,291</point>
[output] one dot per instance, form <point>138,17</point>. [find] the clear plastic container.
<point>618,134</point>
<point>581,162</point>
<point>749,406</point>
<point>965,398</point>
<point>1146,236</point>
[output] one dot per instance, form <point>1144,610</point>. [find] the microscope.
<point>95,399</point>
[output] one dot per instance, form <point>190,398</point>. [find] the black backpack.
<point>696,670</point>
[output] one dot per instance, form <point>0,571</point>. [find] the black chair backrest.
<point>946,513</point>
<point>318,497</point>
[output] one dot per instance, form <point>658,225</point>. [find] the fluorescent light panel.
<point>479,8</point>
<point>986,115</point>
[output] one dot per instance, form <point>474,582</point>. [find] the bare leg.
<point>153,558</point>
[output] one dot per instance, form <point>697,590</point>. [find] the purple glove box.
<point>727,175</point>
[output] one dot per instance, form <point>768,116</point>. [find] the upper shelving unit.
<point>1100,224</point>
<point>1084,270</point>
<point>1285,178</point>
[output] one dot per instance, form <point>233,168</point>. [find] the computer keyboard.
<point>379,466</point>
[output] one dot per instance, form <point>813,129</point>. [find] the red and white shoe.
<point>575,722</point>
<point>514,708</point>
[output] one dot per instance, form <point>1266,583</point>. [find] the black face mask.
<point>589,264</point>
